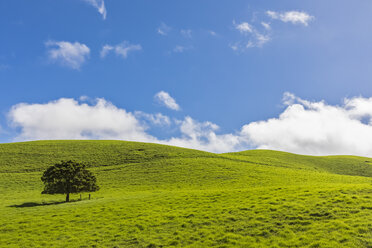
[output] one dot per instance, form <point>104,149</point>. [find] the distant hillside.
<point>37,155</point>
<point>344,165</point>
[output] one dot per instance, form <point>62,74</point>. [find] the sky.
<point>218,76</point>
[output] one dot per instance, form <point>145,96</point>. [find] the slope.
<point>160,196</point>
<point>344,165</point>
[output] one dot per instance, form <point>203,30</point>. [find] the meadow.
<point>161,196</point>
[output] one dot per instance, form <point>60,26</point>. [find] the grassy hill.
<point>162,196</point>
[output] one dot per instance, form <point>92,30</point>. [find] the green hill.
<point>343,165</point>
<point>161,196</point>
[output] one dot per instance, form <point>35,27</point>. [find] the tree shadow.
<point>37,204</point>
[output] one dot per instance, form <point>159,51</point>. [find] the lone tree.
<point>68,177</point>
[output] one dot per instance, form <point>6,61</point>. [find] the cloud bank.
<point>316,128</point>
<point>68,54</point>
<point>69,119</point>
<point>99,5</point>
<point>304,127</point>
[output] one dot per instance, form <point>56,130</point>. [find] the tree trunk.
<point>68,197</point>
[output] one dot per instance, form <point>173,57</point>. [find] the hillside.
<point>343,165</point>
<point>161,196</point>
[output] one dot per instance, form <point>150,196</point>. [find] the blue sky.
<point>172,71</point>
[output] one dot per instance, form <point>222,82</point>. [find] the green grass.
<point>161,196</point>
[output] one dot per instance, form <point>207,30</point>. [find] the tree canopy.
<point>68,177</point>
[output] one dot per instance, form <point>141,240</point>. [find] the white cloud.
<point>105,50</point>
<point>257,36</point>
<point>266,25</point>
<point>235,46</point>
<point>68,119</point>
<point>163,29</point>
<point>157,119</point>
<point>202,136</point>
<point>256,40</point>
<point>252,36</point>
<point>68,54</point>
<point>186,33</point>
<point>261,39</point>
<point>84,98</point>
<point>244,27</point>
<point>121,49</point>
<point>304,127</point>
<point>165,99</point>
<point>295,17</point>
<point>99,5</point>
<point>213,33</point>
<point>316,128</point>
<point>180,49</point>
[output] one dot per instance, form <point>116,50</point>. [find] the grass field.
<point>161,196</point>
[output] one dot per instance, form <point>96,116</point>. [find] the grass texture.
<point>161,196</point>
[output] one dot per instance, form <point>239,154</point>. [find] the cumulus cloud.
<point>165,99</point>
<point>68,54</point>
<point>157,119</point>
<point>304,127</point>
<point>316,128</point>
<point>69,119</point>
<point>163,29</point>
<point>244,27</point>
<point>295,17</point>
<point>99,5</point>
<point>122,49</point>
<point>203,136</point>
